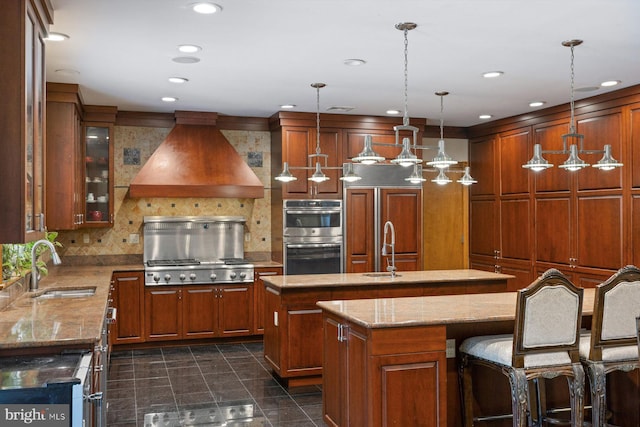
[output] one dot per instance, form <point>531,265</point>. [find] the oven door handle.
<point>312,212</point>
<point>313,245</point>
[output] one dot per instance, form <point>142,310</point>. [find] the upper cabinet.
<point>294,139</point>
<point>80,194</point>
<point>23,26</point>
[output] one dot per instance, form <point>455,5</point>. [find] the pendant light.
<point>318,176</point>
<point>367,156</point>
<point>348,174</point>
<point>416,176</point>
<point>286,175</point>
<point>442,178</point>
<point>442,160</point>
<point>406,157</point>
<point>573,140</point>
<point>466,179</point>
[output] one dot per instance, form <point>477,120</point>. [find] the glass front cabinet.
<point>98,175</point>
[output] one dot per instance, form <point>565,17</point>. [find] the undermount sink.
<point>67,293</point>
<point>380,274</point>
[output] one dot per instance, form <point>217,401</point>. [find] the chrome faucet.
<point>390,267</point>
<point>35,273</point>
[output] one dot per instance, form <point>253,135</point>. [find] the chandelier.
<point>316,159</point>
<point>573,139</point>
<point>407,156</point>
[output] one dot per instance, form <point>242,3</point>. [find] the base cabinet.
<point>258,296</point>
<point>380,377</point>
<point>127,293</point>
<point>191,312</point>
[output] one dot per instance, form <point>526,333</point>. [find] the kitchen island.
<point>293,324</point>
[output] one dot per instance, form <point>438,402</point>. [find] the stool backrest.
<point>548,317</point>
<point>615,309</point>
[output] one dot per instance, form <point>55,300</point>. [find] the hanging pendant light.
<point>367,156</point>
<point>442,178</point>
<point>416,176</point>
<point>442,160</point>
<point>573,140</point>
<point>406,157</point>
<point>318,176</point>
<point>285,175</point>
<point>348,174</point>
<point>466,179</point>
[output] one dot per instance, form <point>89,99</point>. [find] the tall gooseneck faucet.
<point>35,274</point>
<point>390,267</point>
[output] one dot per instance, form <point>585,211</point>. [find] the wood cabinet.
<point>23,25</point>
<point>65,185</point>
<point>81,193</point>
<point>401,206</point>
<point>293,334</point>
<point>372,374</point>
<point>190,312</point>
<point>127,293</point>
<point>258,296</point>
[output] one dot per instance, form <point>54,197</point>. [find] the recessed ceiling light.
<point>206,8</point>
<point>288,106</point>
<point>169,99</point>
<point>178,80</point>
<point>189,48</point>
<point>353,62</point>
<point>68,72</point>
<point>609,83</point>
<point>393,112</point>
<point>587,89</point>
<point>341,108</point>
<point>536,104</point>
<point>485,116</point>
<point>492,74</point>
<point>186,59</point>
<point>56,37</point>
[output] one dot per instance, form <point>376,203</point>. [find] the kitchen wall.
<point>117,240</point>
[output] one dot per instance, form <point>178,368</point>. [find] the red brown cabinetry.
<point>258,296</point>
<point>190,312</point>
<point>371,374</point>
<point>127,292</point>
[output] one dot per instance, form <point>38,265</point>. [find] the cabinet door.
<point>334,386</point>
<point>98,176</point>
<point>359,231</point>
<point>163,312</point>
<point>403,207</point>
<point>549,136</point>
<point>258,296</point>
<point>128,299</point>
<point>199,311</point>
<point>304,341</point>
<point>235,314</point>
<point>295,143</point>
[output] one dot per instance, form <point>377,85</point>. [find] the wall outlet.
<point>451,348</point>
<point>134,238</point>
<point>85,238</point>
<point>247,237</point>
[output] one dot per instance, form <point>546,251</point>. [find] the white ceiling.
<point>259,54</point>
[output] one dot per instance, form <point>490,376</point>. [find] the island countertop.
<point>359,279</point>
<point>30,322</point>
<point>433,310</point>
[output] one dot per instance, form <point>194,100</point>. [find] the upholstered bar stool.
<point>544,344</point>
<point>612,343</point>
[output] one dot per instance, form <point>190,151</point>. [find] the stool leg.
<point>519,392</point>
<point>576,391</point>
<point>598,384</point>
<point>466,386</point>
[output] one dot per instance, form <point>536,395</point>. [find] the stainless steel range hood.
<point>196,161</point>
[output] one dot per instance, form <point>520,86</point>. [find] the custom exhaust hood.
<point>196,160</point>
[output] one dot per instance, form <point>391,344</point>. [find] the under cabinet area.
<point>191,312</point>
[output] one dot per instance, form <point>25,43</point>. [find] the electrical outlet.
<point>85,238</point>
<point>134,238</point>
<point>247,237</point>
<point>451,348</point>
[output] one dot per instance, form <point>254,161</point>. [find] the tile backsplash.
<point>142,141</point>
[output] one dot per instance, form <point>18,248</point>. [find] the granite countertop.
<point>30,322</point>
<point>359,279</point>
<point>433,310</point>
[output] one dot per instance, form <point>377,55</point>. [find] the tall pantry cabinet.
<point>524,222</point>
<point>23,27</point>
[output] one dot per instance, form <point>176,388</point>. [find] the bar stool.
<point>544,344</point>
<point>612,344</point>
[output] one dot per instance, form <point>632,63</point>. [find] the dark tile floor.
<point>212,385</point>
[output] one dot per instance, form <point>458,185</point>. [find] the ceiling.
<point>257,55</point>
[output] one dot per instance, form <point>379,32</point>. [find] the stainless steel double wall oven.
<point>312,236</point>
